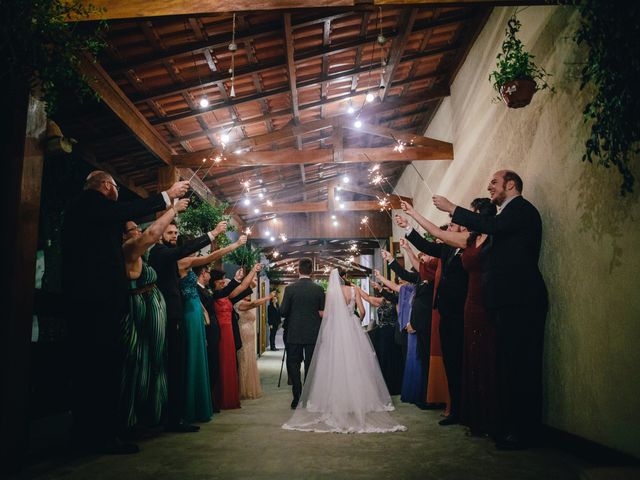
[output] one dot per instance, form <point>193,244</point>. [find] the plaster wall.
<point>590,254</point>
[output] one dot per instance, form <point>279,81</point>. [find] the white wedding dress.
<point>344,391</point>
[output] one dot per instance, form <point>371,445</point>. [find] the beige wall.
<point>591,243</point>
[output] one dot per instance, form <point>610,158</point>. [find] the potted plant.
<point>517,78</point>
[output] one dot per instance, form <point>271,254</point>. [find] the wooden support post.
<point>23,156</point>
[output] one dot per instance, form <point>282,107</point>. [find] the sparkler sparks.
<point>377,179</point>
<point>399,146</point>
<point>283,237</point>
<point>364,221</point>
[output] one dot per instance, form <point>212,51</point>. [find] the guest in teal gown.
<point>198,407</point>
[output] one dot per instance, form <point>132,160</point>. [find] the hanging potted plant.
<point>517,78</point>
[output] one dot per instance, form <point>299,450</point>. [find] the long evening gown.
<point>198,406</point>
<point>437,387</point>
<point>227,391</point>
<point>414,379</point>
<point>479,397</point>
<point>388,352</point>
<point>144,379</point>
<point>248,374</point>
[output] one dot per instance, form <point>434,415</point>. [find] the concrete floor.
<point>249,443</point>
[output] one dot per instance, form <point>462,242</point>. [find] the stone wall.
<point>591,243</point>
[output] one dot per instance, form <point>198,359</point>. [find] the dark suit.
<point>92,248</point>
<point>517,301</point>
<point>273,319</point>
<point>164,260</point>
<point>212,331</point>
<point>301,304</point>
<point>449,298</point>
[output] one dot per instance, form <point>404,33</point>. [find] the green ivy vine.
<point>613,68</point>
<point>42,49</point>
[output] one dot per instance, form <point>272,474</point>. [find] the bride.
<point>344,391</point>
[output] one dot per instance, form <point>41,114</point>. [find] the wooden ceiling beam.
<point>438,151</point>
<point>405,27</point>
<point>114,9</point>
<point>319,207</point>
<point>118,102</point>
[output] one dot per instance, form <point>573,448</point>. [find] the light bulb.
<point>333,217</point>
<point>225,138</point>
<point>370,97</point>
<point>247,201</point>
<point>204,102</point>
<point>337,198</point>
<point>272,239</point>
<point>345,179</point>
<point>256,210</point>
<point>237,151</point>
<point>261,195</point>
<point>335,223</point>
<point>342,205</point>
<point>351,109</point>
<point>357,124</point>
<point>267,233</point>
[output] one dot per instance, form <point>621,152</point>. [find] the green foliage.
<point>41,49</point>
<point>202,217</point>
<point>613,68</point>
<point>273,274</point>
<point>429,237</point>
<point>515,63</point>
<point>245,256</point>
<point>324,283</point>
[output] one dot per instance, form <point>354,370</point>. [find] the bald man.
<point>516,298</point>
<point>92,241</point>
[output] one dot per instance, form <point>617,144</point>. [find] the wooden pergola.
<point>298,67</point>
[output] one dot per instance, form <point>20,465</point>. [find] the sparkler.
<point>422,178</point>
<point>365,221</point>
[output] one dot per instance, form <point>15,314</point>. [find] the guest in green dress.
<point>143,391</point>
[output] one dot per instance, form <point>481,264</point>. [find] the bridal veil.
<point>344,391</point>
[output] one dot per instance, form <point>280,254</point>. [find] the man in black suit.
<point>517,301</point>
<point>164,258</point>
<point>302,307</point>
<point>92,235</point>
<point>450,295</point>
<point>274,319</point>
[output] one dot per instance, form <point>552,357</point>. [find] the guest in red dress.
<point>227,390</point>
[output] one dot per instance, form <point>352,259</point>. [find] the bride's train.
<point>344,391</point>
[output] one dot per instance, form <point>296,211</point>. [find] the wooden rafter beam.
<point>114,9</point>
<point>118,102</point>
<point>398,45</point>
<point>319,207</point>
<point>441,151</point>
<point>291,66</point>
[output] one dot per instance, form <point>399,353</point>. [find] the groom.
<point>301,308</point>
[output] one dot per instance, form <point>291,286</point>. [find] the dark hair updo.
<point>484,207</point>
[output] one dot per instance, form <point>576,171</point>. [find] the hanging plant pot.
<point>518,93</point>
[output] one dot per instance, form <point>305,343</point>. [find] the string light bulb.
<point>370,97</point>
<point>246,201</point>
<point>357,124</point>
<point>225,138</point>
<point>204,102</point>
